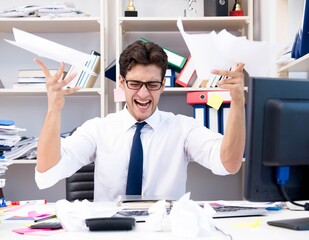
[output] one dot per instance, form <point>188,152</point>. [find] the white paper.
<point>51,50</point>
<point>224,50</point>
<point>189,220</point>
<point>72,215</point>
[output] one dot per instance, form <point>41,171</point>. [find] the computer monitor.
<point>277,142</point>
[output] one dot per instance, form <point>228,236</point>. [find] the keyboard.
<point>222,211</point>
<point>140,215</point>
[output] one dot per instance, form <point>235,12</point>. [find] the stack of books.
<point>33,78</point>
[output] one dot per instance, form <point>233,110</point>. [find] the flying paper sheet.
<point>223,50</point>
<point>51,50</point>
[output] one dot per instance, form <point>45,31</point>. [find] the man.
<point>169,141</point>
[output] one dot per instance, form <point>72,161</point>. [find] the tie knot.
<point>139,126</point>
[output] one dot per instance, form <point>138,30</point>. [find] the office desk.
<point>243,228</point>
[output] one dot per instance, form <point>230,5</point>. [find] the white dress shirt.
<point>169,143</point>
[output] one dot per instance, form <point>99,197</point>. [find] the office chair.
<point>80,185</point>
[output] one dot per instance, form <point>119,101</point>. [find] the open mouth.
<point>142,104</point>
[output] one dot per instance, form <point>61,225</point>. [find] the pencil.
<point>45,218</point>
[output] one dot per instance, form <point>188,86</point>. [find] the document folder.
<point>188,75</point>
<point>301,42</point>
<point>174,59</point>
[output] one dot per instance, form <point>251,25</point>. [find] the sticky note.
<point>215,101</point>
<point>119,95</point>
<point>250,224</point>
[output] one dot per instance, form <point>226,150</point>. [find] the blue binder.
<point>208,116</point>
<point>301,42</point>
<point>200,113</point>
<point>4,122</point>
<point>224,113</point>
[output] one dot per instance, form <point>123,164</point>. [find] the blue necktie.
<point>135,172</point>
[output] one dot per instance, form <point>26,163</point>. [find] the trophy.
<point>190,11</point>
<point>130,11</point>
<point>237,9</point>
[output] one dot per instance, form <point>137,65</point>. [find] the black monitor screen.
<point>277,139</point>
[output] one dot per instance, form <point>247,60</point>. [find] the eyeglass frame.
<point>142,84</point>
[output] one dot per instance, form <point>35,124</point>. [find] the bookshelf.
<point>288,15</point>
<point>81,33</point>
<point>162,29</point>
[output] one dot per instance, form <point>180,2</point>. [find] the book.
<point>29,85</point>
<point>174,59</point>
<point>33,73</point>
<point>140,202</point>
<point>188,75</point>
<point>84,79</point>
<point>110,71</point>
<point>169,77</point>
<point>31,80</point>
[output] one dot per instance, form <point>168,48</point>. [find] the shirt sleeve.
<point>76,151</point>
<point>203,146</point>
<point>48,178</point>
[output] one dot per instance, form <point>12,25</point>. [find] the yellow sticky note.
<point>215,100</point>
<point>251,224</point>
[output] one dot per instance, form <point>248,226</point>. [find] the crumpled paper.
<point>158,220</point>
<point>72,215</point>
<point>187,219</point>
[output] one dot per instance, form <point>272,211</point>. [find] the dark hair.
<point>145,53</point>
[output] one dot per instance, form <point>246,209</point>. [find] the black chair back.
<point>80,185</point>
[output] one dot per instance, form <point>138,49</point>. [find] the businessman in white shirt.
<point>169,141</point>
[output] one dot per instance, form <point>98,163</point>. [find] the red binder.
<point>187,75</point>
<point>203,96</point>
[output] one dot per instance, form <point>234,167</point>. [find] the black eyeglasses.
<point>136,85</point>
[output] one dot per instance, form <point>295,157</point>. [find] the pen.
<point>42,201</point>
<point>45,218</point>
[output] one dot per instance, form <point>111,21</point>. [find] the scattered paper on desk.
<point>189,220</point>
<point>224,50</point>
<point>215,101</point>
<point>37,232</point>
<point>72,215</point>
<point>51,50</point>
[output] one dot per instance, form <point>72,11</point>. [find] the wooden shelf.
<point>24,161</point>
<point>298,65</point>
<point>147,24</point>
<point>45,25</point>
<point>42,92</point>
<point>188,89</point>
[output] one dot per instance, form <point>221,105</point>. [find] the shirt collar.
<point>152,121</point>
